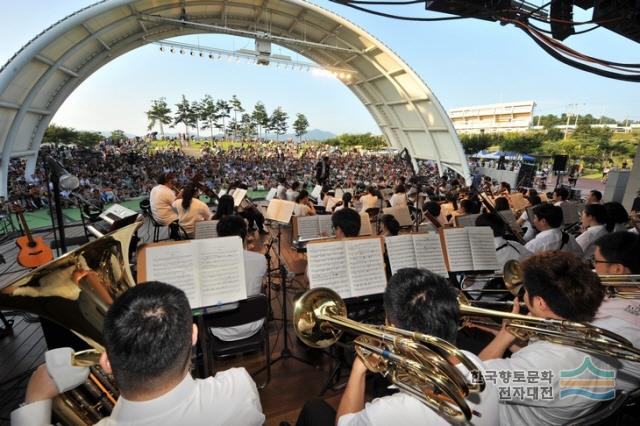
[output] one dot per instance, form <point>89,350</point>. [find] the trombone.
<point>622,286</point>
<point>418,364</point>
<point>511,275</point>
<point>569,333</point>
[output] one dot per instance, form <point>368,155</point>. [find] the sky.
<point>464,62</point>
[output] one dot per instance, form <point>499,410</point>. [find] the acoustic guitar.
<point>34,251</point>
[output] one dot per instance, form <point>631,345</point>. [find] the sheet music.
<point>316,192</point>
<point>429,255</point>
<point>222,192</point>
<point>401,213</point>
<point>280,210</point>
<point>238,196</point>
<point>511,220</point>
<point>365,225</point>
<point>466,220</point>
<point>325,226</point>
<point>221,274</point>
<point>308,228</point>
<point>327,267</point>
<point>458,249</point>
<point>401,252</point>
<point>176,265</point>
<point>366,267</point>
<point>569,213</point>
<point>272,194</point>
<point>206,229</point>
<point>482,248</point>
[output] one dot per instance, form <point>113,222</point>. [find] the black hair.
<point>597,194</point>
<point>467,205</point>
<point>401,189</point>
<point>493,221</point>
<point>562,192</point>
<point>187,195</point>
<point>232,225</point>
<point>295,185</point>
<point>147,333</point>
<point>534,200</point>
<point>391,223</point>
<point>552,214</point>
<point>502,203</point>
<point>422,301</point>
<point>506,186</point>
<point>302,195</point>
<point>432,207</point>
<point>567,285</point>
<point>621,247</point>
<point>348,220</point>
<point>346,199</point>
<point>225,207</point>
<point>599,213</point>
<point>616,213</point>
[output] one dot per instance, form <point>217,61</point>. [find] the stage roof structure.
<point>42,74</point>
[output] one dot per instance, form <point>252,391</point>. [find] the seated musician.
<point>525,222</point>
<point>502,204</point>
<point>434,209</point>
<point>370,199</point>
<point>399,198</point>
<point>191,210</point>
<point>617,254</point>
<point>255,268</point>
<point>293,192</point>
<point>594,197</point>
<point>346,223</point>
<point>594,225</point>
<point>560,195</point>
<point>390,226</point>
<point>249,212</point>
<point>225,207</point>
<point>505,249</point>
<point>559,286</point>
<point>465,206</point>
<point>617,216</point>
<point>162,197</point>
<point>415,300</point>
<point>345,203</point>
<point>547,219</point>
<point>149,335</point>
<point>304,206</point>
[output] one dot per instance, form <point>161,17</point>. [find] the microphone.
<point>66,180</point>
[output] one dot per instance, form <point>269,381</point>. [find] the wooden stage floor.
<point>292,382</point>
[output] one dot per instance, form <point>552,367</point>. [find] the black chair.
<point>252,309</point>
<point>177,232</point>
<point>607,412</point>
<point>145,207</point>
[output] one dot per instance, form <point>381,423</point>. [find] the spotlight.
<point>172,50</point>
<point>161,49</point>
<point>341,75</point>
<point>191,53</point>
<point>181,52</point>
<point>210,56</point>
<point>201,54</point>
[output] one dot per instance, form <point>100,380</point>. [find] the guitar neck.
<point>25,226</point>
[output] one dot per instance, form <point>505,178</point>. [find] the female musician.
<point>304,206</point>
<point>390,226</point>
<point>399,199</point>
<point>345,203</point>
<point>191,210</point>
<point>225,207</point>
<point>369,200</point>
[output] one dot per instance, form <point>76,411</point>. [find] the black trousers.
<point>316,412</point>
<point>253,215</point>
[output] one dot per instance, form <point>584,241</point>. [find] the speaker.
<point>560,163</point>
<point>526,174</point>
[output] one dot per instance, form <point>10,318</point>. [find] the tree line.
<point>229,117</point>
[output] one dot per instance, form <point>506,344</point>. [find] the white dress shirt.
<point>509,250</point>
<point>588,237</point>
<point>255,268</point>
<point>398,199</point>
<point>403,409</point>
<point>368,201</point>
<point>161,199</point>
<point>622,316</point>
<point>196,212</point>
<point>531,231</point>
<point>229,398</point>
<point>539,356</point>
<point>301,210</point>
<point>551,240</point>
<point>292,195</point>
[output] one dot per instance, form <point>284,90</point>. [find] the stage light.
<point>181,52</point>
<point>210,56</point>
<point>172,50</point>
<point>161,49</point>
<point>201,54</point>
<point>191,53</point>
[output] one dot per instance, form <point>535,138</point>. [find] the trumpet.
<point>569,333</point>
<point>418,364</point>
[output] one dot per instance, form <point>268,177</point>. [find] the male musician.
<point>162,197</point>
<point>421,301</point>
<point>505,249</point>
<point>560,195</point>
<point>149,333</point>
<point>346,223</point>
<point>322,170</point>
<point>617,254</point>
<point>547,219</point>
<point>255,268</point>
<point>595,197</point>
<point>557,286</point>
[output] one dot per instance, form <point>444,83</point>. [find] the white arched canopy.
<point>38,79</point>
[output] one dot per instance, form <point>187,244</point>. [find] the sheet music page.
<point>483,248</point>
<point>221,275</point>
<point>466,220</point>
<point>327,267</point>
<point>272,194</point>
<point>177,265</point>
<point>280,210</point>
<point>206,229</point>
<point>308,227</point>
<point>458,249</point>
<point>222,192</point>
<point>365,225</point>
<point>316,192</point>
<point>366,266</point>
<point>238,196</point>
<point>569,213</point>
<point>325,225</point>
<point>401,213</point>
<point>511,219</point>
<point>429,255</point>
<point>401,252</point>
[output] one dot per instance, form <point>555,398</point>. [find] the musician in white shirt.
<point>292,193</point>
<point>399,199</point>
<point>304,206</point>
<point>191,210</point>
<point>560,195</point>
<point>558,286</point>
<point>369,200</point>
<point>594,219</point>
<point>161,199</point>
<point>617,254</point>
<point>421,301</point>
<point>149,334</point>
<point>525,222</point>
<point>548,220</point>
<point>506,250</point>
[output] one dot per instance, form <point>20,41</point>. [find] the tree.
<point>278,122</point>
<point>183,115</point>
<point>88,139</point>
<point>524,143</point>
<point>59,135</point>
<point>117,135</point>
<point>223,112</point>
<point>159,113</point>
<point>247,127</point>
<point>260,117</point>
<point>194,118</point>
<point>237,107</point>
<point>208,113</point>
<point>364,140</point>
<point>474,143</point>
<point>300,125</point>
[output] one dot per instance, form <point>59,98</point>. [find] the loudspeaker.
<point>526,174</point>
<point>560,163</point>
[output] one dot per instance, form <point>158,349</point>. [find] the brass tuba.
<point>75,291</point>
<point>418,364</point>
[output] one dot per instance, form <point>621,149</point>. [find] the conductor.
<point>322,170</point>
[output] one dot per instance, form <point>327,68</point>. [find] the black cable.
<point>384,3</point>
<point>402,18</point>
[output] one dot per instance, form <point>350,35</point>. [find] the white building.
<point>494,118</point>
